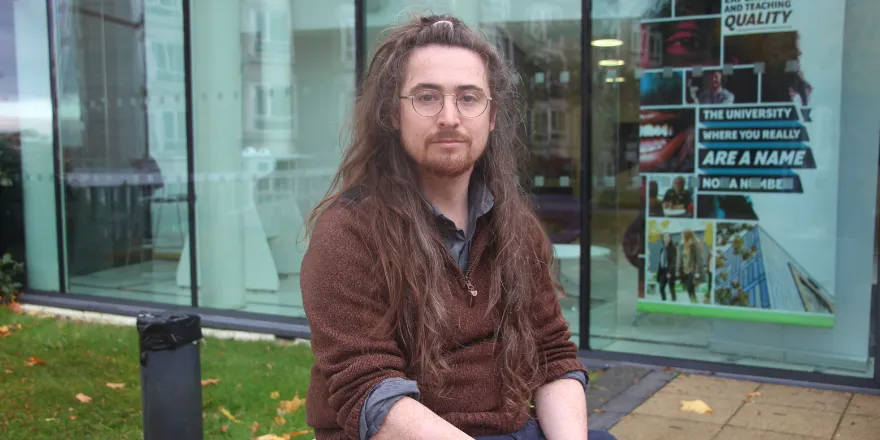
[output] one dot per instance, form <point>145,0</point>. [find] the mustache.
<point>452,136</point>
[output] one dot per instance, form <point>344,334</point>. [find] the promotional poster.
<point>739,154</point>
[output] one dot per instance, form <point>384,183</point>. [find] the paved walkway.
<point>637,403</point>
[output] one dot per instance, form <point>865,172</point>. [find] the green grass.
<point>40,401</point>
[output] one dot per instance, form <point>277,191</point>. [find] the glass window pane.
<point>264,161</point>
<point>745,237</point>
<point>27,183</point>
<point>124,200</point>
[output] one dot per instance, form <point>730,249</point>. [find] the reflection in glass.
<point>120,77</point>
<point>668,251</point>
<point>267,142</point>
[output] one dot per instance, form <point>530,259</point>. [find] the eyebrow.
<point>439,87</point>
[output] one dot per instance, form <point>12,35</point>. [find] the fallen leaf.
<point>255,427</point>
<point>753,395</point>
<point>15,308</point>
<point>600,411</point>
<point>33,360</point>
<point>208,382</point>
<point>269,437</point>
<point>4,331</point>
<point>300,433</point>
<point>52,419</point>
<point>229,415</point>
<point>292,405</point>
<point>280,420</point>
<point>72,417</point>
<point>274,395</point>
<point>83,398</point>
<point>695,406</point>
<point>115,386</point>
<point>224,428</point>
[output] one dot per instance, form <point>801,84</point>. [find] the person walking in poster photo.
<point>678,201</point>
<point>429,282</point>
<point>666,267</point>
<point>690,263</point>
<point>714,93</point>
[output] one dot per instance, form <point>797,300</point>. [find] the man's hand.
<point>410,420</point>
<point>562,410</point>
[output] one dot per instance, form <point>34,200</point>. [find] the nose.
<point>448,116</point>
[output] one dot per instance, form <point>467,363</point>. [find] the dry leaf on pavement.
<point>695,406</point>
<point>753,395</point>
<point>207,382</point>
<point>33,360</point>
<point>115,386</point>
<point>83,398</point>
<point>229,415</point>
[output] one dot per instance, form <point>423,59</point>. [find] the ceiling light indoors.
<point>618,79</point>
<point>610,63</point>
<point>607,42</point>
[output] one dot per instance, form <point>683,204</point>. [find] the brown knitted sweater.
<point>349,361</point>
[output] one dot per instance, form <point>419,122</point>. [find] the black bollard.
<point>171,385</point>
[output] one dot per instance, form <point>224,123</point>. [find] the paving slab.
<point>787,420</point>
<point>647,427</point>
<point>864,405</point>
<point>639,392</point>
<point>712,386</point>
<point>858,427</point>
<point>604,420</point>
<point>612,383</point>
<point>804,398</point>
<point>668,405</point>
<point>739,433</point>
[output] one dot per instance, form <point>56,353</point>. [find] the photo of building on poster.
<point>730,149</point>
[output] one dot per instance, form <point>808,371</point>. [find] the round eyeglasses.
<point>429,103</point>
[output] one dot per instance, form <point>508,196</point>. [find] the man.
<point>428,282</point>
<point>679,198</point>
<point>715,94</point>
<point>666,266</point>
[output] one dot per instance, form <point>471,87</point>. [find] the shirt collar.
<point>480,199</point>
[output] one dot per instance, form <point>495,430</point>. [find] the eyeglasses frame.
<point>412,99</point>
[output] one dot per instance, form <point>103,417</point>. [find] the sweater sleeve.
<point>354,350</point>
<point>557,353</point>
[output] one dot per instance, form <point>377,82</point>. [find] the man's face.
<point>677,184</point>
<point>447,144</point>
<point>716,80</point>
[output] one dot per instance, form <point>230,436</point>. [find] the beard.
<point>448,164</point>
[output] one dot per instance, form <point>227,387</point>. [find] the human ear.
<point>492,113</point>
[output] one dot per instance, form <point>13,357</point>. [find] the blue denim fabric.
<point>533,432</point>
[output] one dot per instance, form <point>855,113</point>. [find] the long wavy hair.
<point>412,262</point>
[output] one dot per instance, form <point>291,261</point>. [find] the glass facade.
<point>714,160</point>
